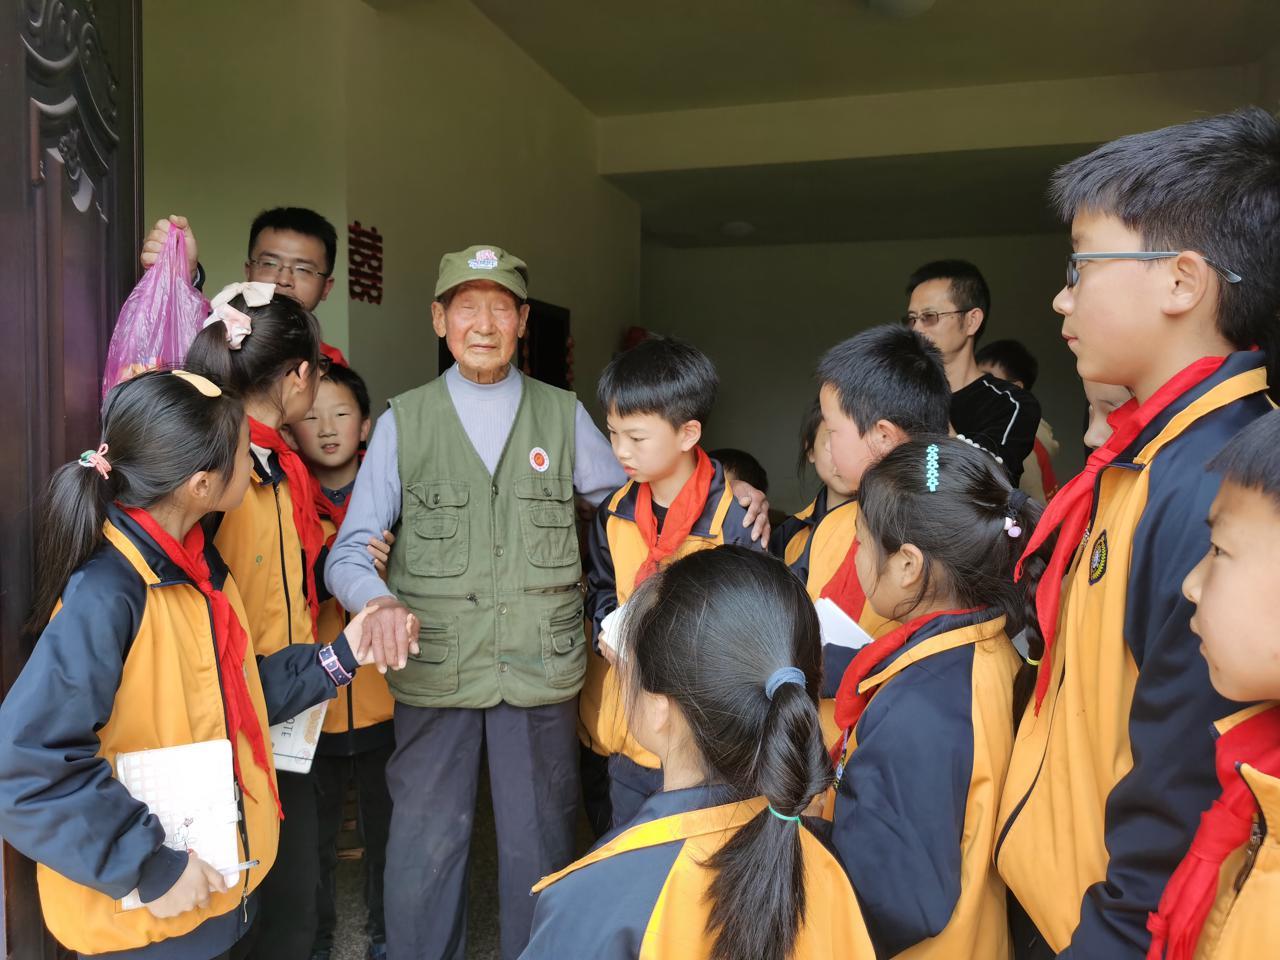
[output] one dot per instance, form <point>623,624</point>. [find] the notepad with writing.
<point>838,627</point>
<point>191,789</point>
<point>294,741</point>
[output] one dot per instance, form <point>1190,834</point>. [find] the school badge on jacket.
<point>1098,559</point>
<point>539,460</point>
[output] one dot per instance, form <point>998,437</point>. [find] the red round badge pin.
<point>539,460</point>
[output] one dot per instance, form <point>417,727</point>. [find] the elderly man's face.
<point>481,324</point>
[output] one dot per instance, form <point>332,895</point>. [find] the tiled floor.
<point>482,921</point>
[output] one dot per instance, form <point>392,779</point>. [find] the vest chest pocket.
<point>439,529</point>
<point>547,520</point>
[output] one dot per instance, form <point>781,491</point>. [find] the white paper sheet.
<point>838,627</point>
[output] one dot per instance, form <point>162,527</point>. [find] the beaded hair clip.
<point>931,475</point>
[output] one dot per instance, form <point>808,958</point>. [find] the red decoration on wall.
<point>364,263</point>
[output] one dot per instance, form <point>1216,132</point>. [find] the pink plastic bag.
<point>159,320</point>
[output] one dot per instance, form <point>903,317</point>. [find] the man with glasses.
<point>949,303</point>
<point>292,247</point>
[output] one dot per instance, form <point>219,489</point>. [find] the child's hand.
<point>197,883</point>
<point>355,633</point>
<point>159,234</point>
<point>380,550</point>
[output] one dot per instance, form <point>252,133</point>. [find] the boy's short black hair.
<point>299,220</point>
<point>1013,356</point>
<point>662,376</point>
<point>1210,185</point>
<point>346,377</point>
<point>889,373</point>
<point>1252,458</point>
<point>743,466</point>
<point>969,288</point>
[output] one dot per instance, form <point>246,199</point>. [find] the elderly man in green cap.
<point>478,468</point>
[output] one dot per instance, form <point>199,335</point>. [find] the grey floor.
<point>482,920</point>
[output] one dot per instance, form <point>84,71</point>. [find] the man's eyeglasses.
<point>270,266</point>
<point>1073,271</point>
<point>927,318</point>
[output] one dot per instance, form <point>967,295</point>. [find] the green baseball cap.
<point>484,262</point>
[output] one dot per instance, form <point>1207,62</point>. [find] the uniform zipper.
<point>1257,833</point>
<point>284,570</point>
<point>243,822</point>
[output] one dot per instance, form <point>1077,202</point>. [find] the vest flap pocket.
<point>433,651</point>
<point>547,520</point>
<point>564,649</point>
<point>545,488</point>
<point>550,516</point>
<point>433,670</point>
<point>439,493</point>
<point>438,527</point>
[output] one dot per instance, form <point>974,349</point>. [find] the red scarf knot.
<point>1069,512</point>
<point>683,513</point>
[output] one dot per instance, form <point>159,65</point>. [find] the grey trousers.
<point>533,772</point>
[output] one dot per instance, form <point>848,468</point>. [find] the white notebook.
<point>191,789</point>
<point>838,627</point>
<point>294,741</point>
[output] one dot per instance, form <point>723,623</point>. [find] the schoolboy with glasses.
<point>1114,758</point>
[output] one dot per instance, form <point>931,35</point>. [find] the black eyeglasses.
<point>1073,272</point>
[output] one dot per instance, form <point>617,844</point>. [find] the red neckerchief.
<point>849,702</point>
<point>1049,479</point>
<point>1073,505</point>
<point>303,490</point>
<point>229,637</point>
<point>683,513</point>
<point>1224,827</point>
<point>334,355</point>
<point>844,589</point>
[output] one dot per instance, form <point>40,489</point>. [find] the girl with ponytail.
<point>144,645</point>
<point>264,348</point>
<point>927,711</point>
<point>720,655</point>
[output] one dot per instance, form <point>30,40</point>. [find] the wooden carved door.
<point>69,231</point>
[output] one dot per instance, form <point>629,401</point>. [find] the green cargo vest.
<point>489,564</point>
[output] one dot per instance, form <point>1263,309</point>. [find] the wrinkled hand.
<point>159,235</point>
<point>380,550</point>
<point>757,505</point>
<point>355,633</point>
<point>385,639</point>
<point>197,883</point>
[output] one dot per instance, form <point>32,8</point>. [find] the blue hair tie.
<point>931,475</point>
<point>780,676</point>
<point>783,816</point>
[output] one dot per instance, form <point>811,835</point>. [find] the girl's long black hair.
<point>708,632</point>
<point>159,430</point>
<point>961,529</point>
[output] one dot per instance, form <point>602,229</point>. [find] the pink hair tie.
<point>96,460</point>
